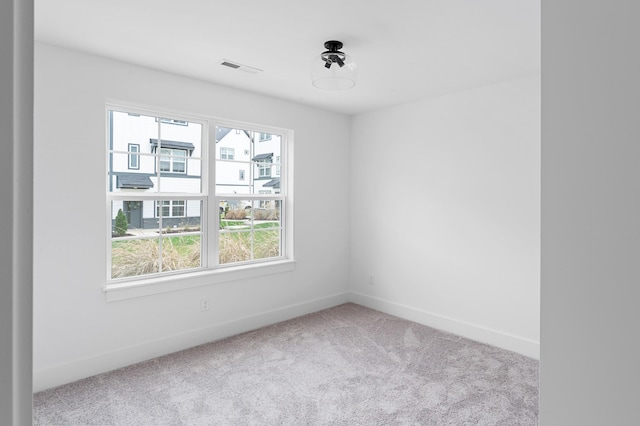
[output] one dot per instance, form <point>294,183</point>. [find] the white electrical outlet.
<point>204,305</point>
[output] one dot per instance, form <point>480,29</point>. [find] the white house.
<point>150,154</point>
<point>247,163</point>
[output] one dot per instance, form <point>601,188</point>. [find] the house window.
<point>178,193</point>
<point>264,168</point>
<point>173,160</point>
<point>265,137</point>
<point>170,208</point>
<point>226,153</point>
<point>134,158</point>
<point>264,204</point>
<point>172,121</point>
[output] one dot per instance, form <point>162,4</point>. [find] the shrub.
<point>236,214</point>
<point>120,227</point>
<point>266,214</point>
<point>268,245</point>
<point>234,248</point>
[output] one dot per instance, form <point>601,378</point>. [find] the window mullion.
<point>159,180</point>
<point>159,157</point>
<point>213,216</point>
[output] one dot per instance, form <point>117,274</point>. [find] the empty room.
<point>287,213</point>
<point>169,256</point>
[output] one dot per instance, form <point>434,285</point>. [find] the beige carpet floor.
<point>347,365</point>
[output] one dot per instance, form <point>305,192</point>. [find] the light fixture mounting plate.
<point>333,54</point>
<point>333,45</point>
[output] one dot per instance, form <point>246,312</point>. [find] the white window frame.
<point>211,272</point>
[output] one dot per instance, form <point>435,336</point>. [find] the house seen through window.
<point>190,194</point>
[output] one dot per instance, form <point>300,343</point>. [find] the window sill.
<point>147,287</point>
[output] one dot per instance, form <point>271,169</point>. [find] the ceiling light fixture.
<point>334,70</point>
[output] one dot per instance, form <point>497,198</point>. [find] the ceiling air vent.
<point>240,67</point>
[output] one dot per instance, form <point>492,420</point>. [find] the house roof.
<point>221,132</point>
<point>173,144</point>
<point>134,181</point>
<point>275,182</point>
<point>263,157</point>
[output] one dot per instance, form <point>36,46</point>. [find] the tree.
<point>120,228</point>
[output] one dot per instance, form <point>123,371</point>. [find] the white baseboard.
<point>82,368</point>
<point>526,347</point>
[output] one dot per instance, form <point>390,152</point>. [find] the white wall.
<point>445,207</point>
<point>77,333</point>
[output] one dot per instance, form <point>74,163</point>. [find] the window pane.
<point>249,230</point>
<point>235,238</point>
<point>165,145</point>
<point>235,210</point>
<point>233,155</point>
<point>127,217</point>
<point>266,243</point>
<point>265,165</point>
<point>234,247</point>
<point>180,252</point>
<point>254,169</point>
<point>236,142</point>
<point>134,257</point>
<point>266,213</point>
<point>131,132</point>
<point>124,178</point>
<point>231,177</point>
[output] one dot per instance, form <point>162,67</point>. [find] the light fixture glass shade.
<point>335,77</point>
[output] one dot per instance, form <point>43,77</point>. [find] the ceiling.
<point>406,50</point>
